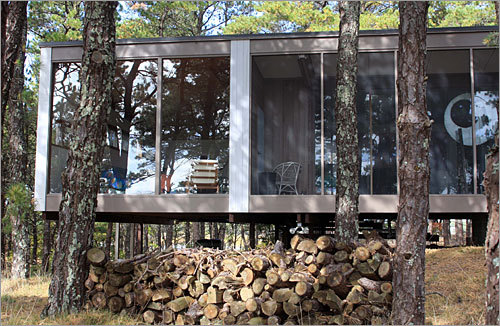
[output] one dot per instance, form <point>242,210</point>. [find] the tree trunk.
<point>187,233</point>
<point>492,251</point>
<point>159,236</point>
<point>195,232</point>
<point>47,241</point>
<point>128,235</point>
<point>446,232</point>
<point>346,218</point>
<point>146,239</point>
<point>109,238</point>
<point>414,129</point>
<point>80,180</point>
<point>459,232</point>
<point>13,57</point>
<point>34,248</point>
<point>222,234</point>
<point>169,235</point>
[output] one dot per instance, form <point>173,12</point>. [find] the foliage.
<point>19,203</point>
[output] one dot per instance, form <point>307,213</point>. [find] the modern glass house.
<point>199,127</point>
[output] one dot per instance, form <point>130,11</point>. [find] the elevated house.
<point>241,128</point>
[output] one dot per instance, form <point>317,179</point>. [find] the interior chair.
<point>287,174</point>
<point>204,176</point>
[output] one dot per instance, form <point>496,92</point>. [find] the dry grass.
<point>23,301</point>
<point>458,274</point>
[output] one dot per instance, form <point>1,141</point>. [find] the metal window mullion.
<point>158,127</point>
<point>396,108</point>
<point>473,113</point>
<point>322,85</point>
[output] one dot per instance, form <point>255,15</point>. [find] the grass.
<point>454,285</point>
<point>24,300</point>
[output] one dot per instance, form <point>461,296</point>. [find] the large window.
<point>449,105</point>
<point>129,157</point>
<point>286,124</point>
<point>485,105</point>
<point>375,106</point>
<point>65,100</point>
<point>195,126</point>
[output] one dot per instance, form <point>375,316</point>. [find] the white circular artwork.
<point>486,118</point>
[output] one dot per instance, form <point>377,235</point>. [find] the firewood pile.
<point>314,282</point>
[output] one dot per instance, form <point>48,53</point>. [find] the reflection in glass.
<point>376,123</point>
<point>195,126</point>
<point>66,98</point>
<point>286,121</point>
<point>485,105</point>
<point>128,162</point>
<point>330,72</point>
<point>449,105</point>
<point>129,157</point>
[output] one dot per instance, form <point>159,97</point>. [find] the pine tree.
<point>414,129</point>
<point>80,180</point>
<point>346,218</point>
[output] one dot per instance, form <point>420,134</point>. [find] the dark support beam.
<point>231,218</point>
<point>140,232</point>
<point>276,233</point>
<point>132,239</point>
<point>252,235</point>
<point>479,226</point>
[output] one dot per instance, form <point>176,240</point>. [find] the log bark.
<point>80,181</point>
<point>346,217</point>
<point>46,246</point>
<point>414,129</point>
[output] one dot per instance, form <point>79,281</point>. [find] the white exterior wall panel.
<point>43,129</point>
<point>239,128</point>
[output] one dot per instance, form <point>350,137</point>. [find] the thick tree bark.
<point>414,129</point>
<point>187,233</point>
<point>80,180</point>
<point>13,56</point>
<point>47,241</point>
<point>346,218</point>
<point>109,238</point>
<point>195,232</point>
<point>492,245</point>
<point>146,238</point>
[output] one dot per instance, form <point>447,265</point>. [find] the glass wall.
<point>286,124</point>
<point>449,105</point>
<point>65,100</point>
<point>129,157</point>
<point>375,105</point>
<point>485,105</point>
<point>128,164</point>
<point>195,125</point>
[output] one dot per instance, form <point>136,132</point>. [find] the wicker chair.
<point>287,174</point>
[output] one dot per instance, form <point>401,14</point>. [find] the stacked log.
<point>315,282</point>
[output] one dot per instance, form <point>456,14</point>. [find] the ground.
<point>454,285</point>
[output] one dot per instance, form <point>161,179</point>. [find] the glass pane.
<point>65,99</point>
<point>195,126</point>
<point>485,105</point>
<point>129,157</point>
<point>376,123</point>
<point>286,124</point>
<point>128,162</point>
<point>330,72</point>
<point>449,105</point>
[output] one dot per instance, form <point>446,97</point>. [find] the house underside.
<point>241,128</point>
